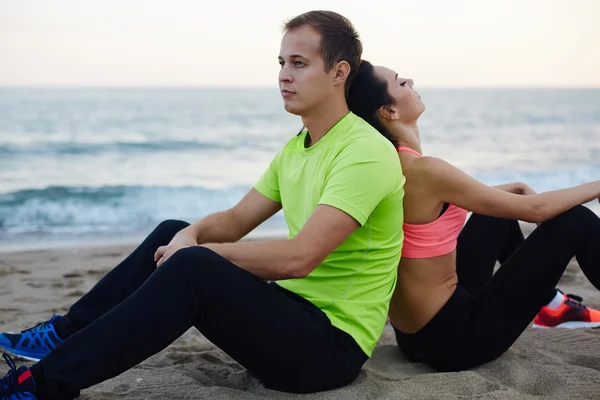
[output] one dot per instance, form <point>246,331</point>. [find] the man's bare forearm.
<point>269,259</point>
<point>219,227</point>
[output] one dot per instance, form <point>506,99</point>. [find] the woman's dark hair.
<point>367,94</point>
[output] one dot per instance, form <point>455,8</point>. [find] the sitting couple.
<point>303,314</point>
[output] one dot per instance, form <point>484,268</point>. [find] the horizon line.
<point>229,87</point>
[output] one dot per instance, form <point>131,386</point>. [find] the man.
<point>340,185</point>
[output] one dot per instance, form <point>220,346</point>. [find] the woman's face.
<point>407,102</point>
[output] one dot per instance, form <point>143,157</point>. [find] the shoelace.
<point>38,327</point>
<point>8,383</point>
<point>575,301</point>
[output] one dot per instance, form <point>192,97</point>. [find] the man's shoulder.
<point>365,132</point>
<point>292,143</point>
<point>365,139</point>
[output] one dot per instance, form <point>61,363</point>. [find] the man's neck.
<point>322,119</point>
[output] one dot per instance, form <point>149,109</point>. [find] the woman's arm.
<point>517,188</point>
<point>451,185</point>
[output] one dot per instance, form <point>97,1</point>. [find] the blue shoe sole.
<point>23,354</point>
<point>4,342</point>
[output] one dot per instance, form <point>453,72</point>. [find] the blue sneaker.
<point>33,343</point>
<point>18,384</point>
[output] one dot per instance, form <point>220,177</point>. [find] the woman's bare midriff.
<point>424,286</point>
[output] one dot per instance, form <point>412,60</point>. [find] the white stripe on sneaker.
<point>570,325</point>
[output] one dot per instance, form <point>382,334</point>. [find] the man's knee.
<point>197,260</point>
<point>170,227</point>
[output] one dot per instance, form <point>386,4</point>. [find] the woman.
<point>447,310</point>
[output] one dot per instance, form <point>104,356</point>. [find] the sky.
<point>235,43</point>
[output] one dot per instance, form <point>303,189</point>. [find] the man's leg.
<point>120,282</point>
<point>285,341</point>
<point>117,285</point>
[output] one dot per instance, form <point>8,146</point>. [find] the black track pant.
<point>137,310</point>
<point>487,314</point>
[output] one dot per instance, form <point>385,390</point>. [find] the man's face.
<point>303,82</point>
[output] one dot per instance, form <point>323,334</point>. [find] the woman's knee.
<point>583,213</point>
<point>576,219</point>
<point>493,221</point>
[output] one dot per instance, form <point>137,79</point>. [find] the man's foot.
<point>17,384</point>
<point>567,312</point>
<point>34,343</point>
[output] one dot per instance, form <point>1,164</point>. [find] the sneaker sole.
<point>22,356</point>
<point>570,325</point>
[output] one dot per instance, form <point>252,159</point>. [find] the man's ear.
<point>341,72</point>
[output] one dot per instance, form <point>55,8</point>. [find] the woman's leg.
<point>527,279</point>
<point>483,241</point>
<point>471,330</point>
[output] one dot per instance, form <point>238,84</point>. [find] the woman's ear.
<point>388,112</point>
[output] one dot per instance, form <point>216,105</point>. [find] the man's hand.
<point>181,240</point>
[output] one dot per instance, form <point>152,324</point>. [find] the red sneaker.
<point>570,314</point>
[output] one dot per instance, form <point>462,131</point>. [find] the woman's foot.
<point>566,311</point>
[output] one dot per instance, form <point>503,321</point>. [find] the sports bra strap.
<point>408,149</point>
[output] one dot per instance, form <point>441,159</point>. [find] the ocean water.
<point>109,164</point>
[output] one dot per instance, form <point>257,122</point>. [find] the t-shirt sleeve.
<point>268,184</point>
<point>362,175</point>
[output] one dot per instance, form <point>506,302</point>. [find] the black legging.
<point>486,314</point>
<point>137,310</point>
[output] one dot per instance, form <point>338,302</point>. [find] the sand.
<point>548,364</point>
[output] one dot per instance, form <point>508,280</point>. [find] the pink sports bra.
<point>436,238</point>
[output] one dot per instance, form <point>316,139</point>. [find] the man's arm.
<point>224,226</point>
<point>324,231</point>
<point>362,175</point>
<point>233,224</point>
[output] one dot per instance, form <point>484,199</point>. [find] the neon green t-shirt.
<point>355,169</point>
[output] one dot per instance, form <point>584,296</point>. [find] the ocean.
<point>101,165</point>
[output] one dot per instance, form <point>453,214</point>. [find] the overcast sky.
<point>439,43</point>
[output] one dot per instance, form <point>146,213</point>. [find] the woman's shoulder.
<point>425,167</point>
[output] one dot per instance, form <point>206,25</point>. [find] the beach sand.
<point>548,364</point>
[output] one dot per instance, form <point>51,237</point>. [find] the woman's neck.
<point>407,135</point>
